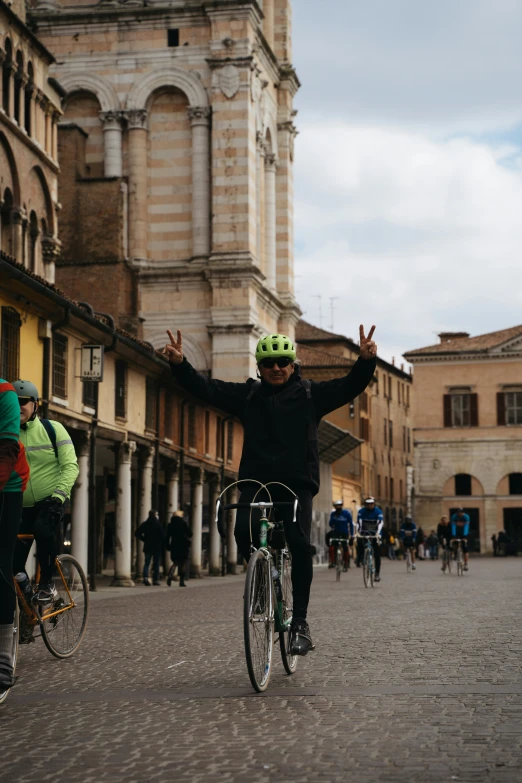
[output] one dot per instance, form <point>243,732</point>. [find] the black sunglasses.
<point>24,400</point>
<point>282,362</point>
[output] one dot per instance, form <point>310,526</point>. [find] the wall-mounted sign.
<point>92,363</point>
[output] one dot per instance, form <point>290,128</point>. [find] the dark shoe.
<point>169,581</point>
<point>358,565</point>
<point>300,638</point>
<point>46,593</point>
<point>146,582</point>
<point>331,565</point>
<point>466,567</point>
<point>7,678</point>
<point>182,584</point>
<point>156,583</point>
<point>377,578</point>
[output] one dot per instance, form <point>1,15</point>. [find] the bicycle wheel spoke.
<point>63,630</point>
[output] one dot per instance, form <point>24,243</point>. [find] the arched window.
<point>6,243</point>
<point>27,98</point>
<point>18,85</point>
<point>6,75</point>
<point>33,240</point>
<point>515,483</point>
<point>462,484</point>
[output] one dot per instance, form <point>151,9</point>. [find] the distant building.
<point>468,431</point>
<point>29,113</point>
<point>381,418</point>
<point>176,152</point>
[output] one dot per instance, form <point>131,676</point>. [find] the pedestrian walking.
<point>391,547</point>
<point>179,537</point>
<point>433,544</point>
<point>420,544</point>
<point>495,545</point>
<point>153,536</point>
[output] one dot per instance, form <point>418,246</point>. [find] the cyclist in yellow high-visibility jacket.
<point>54,469</point>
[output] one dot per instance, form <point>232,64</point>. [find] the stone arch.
<point>191,348</point>
<point>14,182</point>
<point>477,487</point>
<point>183,80</point>
<point>48,211</point>
<point>85,82</point>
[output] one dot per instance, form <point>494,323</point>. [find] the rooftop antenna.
<point>320,297</point>
<point>332,308</point>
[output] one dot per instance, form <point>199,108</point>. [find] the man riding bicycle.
<point>369,523</point>
<point>341,526</point>
<point>280,416</point>
<point>460,529</point>
<point>408,535</point>
<point>444,535</point>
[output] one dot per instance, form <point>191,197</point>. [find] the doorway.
<point>513,526</point>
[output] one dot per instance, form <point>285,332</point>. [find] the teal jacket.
<point>49,476</point>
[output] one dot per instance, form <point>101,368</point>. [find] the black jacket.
<point>152,534</point>
<point>280,423</point>
<point>178,538</point>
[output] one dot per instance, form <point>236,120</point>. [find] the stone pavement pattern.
<point>419,679</point>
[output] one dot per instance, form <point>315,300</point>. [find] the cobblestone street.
<point>419,679</point>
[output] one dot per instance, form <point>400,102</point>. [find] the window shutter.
<point>473,410</point>
<point>501,409</point>
<point>447,410</point>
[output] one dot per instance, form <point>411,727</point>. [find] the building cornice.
<point>452,358</point>
<point>25,31</point>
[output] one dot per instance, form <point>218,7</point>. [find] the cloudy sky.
<point>409,166</point>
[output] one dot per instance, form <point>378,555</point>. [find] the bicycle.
<point>446,559</point>
<point>368,564</point>
<point>268,577</point>
<point>459,556</point>
<point>339,556</point>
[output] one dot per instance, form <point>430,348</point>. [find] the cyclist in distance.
<point>408,535</point>
<point>341,526</point>
<point>14,474</point>
<point>370,522</point>
<point>280,414</point>
<point>460,529</point>
<point>54,469</point>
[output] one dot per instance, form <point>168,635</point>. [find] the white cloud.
<point>414,234</point>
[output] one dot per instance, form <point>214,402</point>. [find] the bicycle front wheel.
<point>289,661</point>
<point>258,620</point>
<point>339,564</point>
<point>367,570</point>
<point>14,648</point>
<point>408,561</point>
<point>64,622</point>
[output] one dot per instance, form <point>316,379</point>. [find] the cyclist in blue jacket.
<point>408,536</point>
<point>341,526</point>
<point>460,529</point>
<point>370,522</point>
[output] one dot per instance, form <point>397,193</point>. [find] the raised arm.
<point>329,395</point>
<point>228,396</point>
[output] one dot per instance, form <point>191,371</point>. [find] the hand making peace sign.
<point>368,347</point>
<point>174,350</point>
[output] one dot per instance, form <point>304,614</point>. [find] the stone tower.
<point>177,140</point>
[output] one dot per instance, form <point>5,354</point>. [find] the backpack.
<point>51,435</point>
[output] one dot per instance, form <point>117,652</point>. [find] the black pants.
<point>10,514</point>
<point>376,553</point>
<point>297,537</point>
<point>46,547</point>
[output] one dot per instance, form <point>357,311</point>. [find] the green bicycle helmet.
<point>274,346</point>
<point>26,389</point>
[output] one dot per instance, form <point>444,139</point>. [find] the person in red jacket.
<point>14,474</point>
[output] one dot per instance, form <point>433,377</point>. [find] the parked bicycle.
<point>368,559</point>
<point>267,600</point>
<point>62,623</point>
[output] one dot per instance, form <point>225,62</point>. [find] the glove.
<point>49,518</point>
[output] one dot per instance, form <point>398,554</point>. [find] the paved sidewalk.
<point>419,679</point>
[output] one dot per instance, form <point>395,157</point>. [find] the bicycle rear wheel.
<point>16,633</point>
<point>338,563</point>
<point>258,620</point>
<point>289,661</point>
<point>63,631</point>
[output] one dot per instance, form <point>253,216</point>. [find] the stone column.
<point>173,491</point>
<point>214,564</point>
<point>231,541</point>
<point>54,128</point>
<point>122,571</point>
<point>146,465</point>
<point>112,157</point>
<point>12,87</point>
<point>21,82</point>
<point>50,252</point>
<point>80,506</point>
<point>260,201</point>
<point>2,58</point>
<point>32,110</point>
<point>196,519</point>
<point>48,131</point>
<point>270,220</point>
<point>199,119</point>
<point>17,220</point>
<point>268,22</point>
<point>137,153</point>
